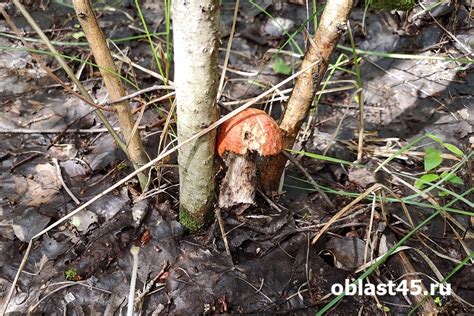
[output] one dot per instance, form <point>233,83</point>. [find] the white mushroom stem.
<point>239,184</point>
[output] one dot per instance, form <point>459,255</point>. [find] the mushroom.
<point>240,141</point>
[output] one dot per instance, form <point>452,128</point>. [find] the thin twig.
<point>149,285</point>
<point>369,231</point>
<point>310,179</point>
<point>306,265</point>
<point>139,92</point>
<point>21,162</point>
<point>131,294</point>
<point>58,170</point>
<point>461,44</point>
<point>222,228</point>
<point>229,45</point>
<point>258,290</point>
<point>65,285</point>
<point>360,97</point>
<point>59,131</point>
<point>166,127</point>
<point>269,201</point>
<point>338,127</point>
<point>145,70</point>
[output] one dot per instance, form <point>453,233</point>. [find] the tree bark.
<point>196,43</point>
<point>108,70</point>
<point>332,26</point>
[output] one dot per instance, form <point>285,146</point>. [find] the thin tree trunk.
<point>108,70</point>
<point>332,26</point>
<point>196,43</point>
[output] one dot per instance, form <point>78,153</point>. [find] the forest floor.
<point>418,122</point>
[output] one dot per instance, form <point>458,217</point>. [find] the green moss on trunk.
<point>392,4</point>
<point>187,220</point>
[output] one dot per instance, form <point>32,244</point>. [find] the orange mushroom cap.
<point>250,130</point>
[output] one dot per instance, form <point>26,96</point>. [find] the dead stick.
<point>222,228</point>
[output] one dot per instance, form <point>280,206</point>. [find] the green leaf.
<point>424,179</point>
<point>280,67</point>
<point>453,149</point>
<point>433,158</point>
<point>442,194</point>
<point>78,35</point>
<point>456,180</point>
<point>434,137</point>
<point>453,178</point>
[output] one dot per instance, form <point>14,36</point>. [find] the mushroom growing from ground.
<point>240,141</point>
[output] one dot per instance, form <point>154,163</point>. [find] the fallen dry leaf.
<point>40,188</point>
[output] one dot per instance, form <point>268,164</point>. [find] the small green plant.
<point>383,308</point>
<point>78,35</point>
<point>70,274</point>
<point>122,166</point>
<point>433,159</point>
<point>280,67</point>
